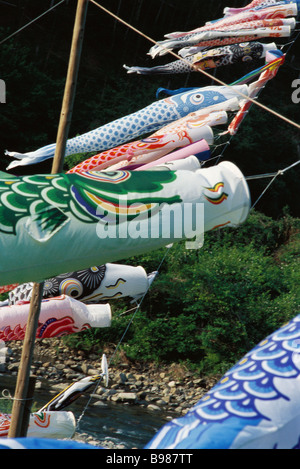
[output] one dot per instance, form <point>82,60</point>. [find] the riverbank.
<point>169,391</point>
<point>158,388</point>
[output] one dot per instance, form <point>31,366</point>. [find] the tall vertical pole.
<point>21,391</point>
<point>70,87</point>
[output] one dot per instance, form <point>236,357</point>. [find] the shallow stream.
<point>131,426</point>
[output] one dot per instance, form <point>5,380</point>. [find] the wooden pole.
<point>21,391</point>
<point>70,88</point>
<point>28,405</point>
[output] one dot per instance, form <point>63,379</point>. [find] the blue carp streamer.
<point>148,119</point>
<point>254,406</point>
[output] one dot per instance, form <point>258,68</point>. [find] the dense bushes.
<point>209,307</point>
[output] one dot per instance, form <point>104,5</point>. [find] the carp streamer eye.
<point>197,98</point>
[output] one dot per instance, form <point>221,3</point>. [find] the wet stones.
<point>129,397</point>
<point>159,390</point>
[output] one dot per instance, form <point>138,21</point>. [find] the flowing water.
<point>131,426</point>
<point>128,425</point>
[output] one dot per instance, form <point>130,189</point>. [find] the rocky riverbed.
<point>171,390</point>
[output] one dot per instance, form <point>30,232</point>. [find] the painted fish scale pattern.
<point>146,120</point>
<point>122,129</point>
<point>259,393</point>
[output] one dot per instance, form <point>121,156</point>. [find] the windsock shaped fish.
<point>255,405</point>
<point>256,4</point>
<point>72,392</point>
<point>60,315</point>
<point>176,39</point>
<point>209,59</point>
<point>206,116</point>
<point>278,10</point>
<point>97,283</point>
<point>53,223</point>
<point>153,147</point>
<point>186,130</point>
<point>205,39</point>
<point>148,119</point>
<point>236,34</point>
<point>43,429</point>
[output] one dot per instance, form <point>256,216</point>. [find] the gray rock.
<point>125,397</point>
<point>171,384</point>
<point>85,367</point>
<point>148,386</point>
<point>123,378</point>
<point>161,402</point>
<point>153,407</point>
<point>93,372</point>
<point>99,404</point>
<point>13,366</point>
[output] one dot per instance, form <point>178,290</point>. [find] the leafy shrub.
<point>211,306</point>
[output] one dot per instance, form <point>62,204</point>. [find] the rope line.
<point>265,190</point>
<point>266,108</point>
<point>7,396</point>
<point>30,22</point>
<point>280,172</point>
<point>124,333</point>
<point>267,175</point>
<point>139,305</point>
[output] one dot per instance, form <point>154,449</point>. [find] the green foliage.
<point>164,339</point>
<point>5,406</point>
<point>209,307</point>
<point>29,117</point>
<point>75,159</point>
